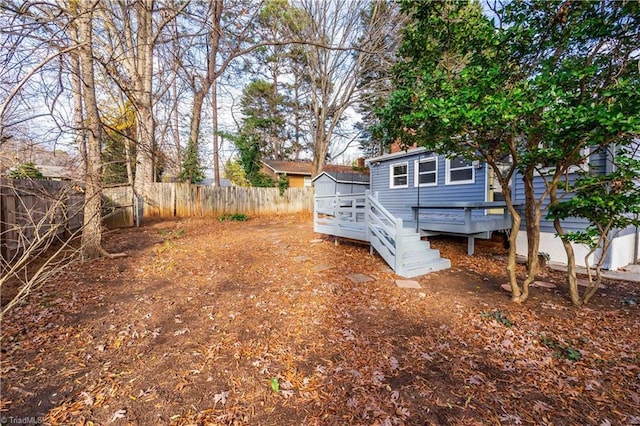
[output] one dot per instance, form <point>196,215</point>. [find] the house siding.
<point>624,249</point>
<point>296,181</point>
<point>399,201</point>
<point>596,162</point>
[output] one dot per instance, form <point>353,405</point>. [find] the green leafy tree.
<point>283,183</point>
<point>282,79</point>
<point>457,94</point>
<point>264,119</point>
<point>234,171</point>
<point>27,170</point>
<point>579,62</point>
<point>610,203</point>
<point>555,79</point>
<point>250,158</point>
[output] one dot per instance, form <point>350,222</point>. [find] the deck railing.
<point>383,231</point>
<point>341,215</point>
<point>360,217</point>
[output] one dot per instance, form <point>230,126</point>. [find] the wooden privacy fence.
<point>38,210</point>
<point>118,209</point>
<point>184,200</point>
<point>33,210</point>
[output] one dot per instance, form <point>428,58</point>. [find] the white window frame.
<point>307,181</point>
<point>392,176</point>
<point>448,171</point>
<point>584,166</point>
<point>416,181</point>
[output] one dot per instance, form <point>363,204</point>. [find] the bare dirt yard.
<point>264,322</point>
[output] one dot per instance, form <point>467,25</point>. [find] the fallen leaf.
<point>120,414</point>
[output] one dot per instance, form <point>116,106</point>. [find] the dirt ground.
<point>261,323</point>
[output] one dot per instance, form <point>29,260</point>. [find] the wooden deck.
<point>361,217</point>
<point>457,218</point>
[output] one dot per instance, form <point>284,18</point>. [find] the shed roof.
<point>290,167</point>
<point>345,174</point>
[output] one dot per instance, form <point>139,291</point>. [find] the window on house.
<point>459,171</point>
<point>399,175</point>
<point>585,155</point>
<point>307,181</point>
<point>427,172</point>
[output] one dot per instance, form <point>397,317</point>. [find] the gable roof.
<point>289,167</point>
<point>345,174</point>
<point>399,154</point>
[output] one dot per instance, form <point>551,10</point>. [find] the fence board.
<point>185,200</point>
<point>118,207</point>
<point>29,209</point>
<point>33,209</point>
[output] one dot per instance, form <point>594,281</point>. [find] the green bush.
<point>238,217</point>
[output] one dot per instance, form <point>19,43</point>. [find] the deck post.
<point>399,248</point>
<point>470,245</point>
<point>367,208</point>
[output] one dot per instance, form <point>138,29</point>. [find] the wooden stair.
<point>362,217</point>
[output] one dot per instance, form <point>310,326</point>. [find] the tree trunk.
<point>76,87</point>
<point>320,146</point>
<point>143,95</point>
<point>144,175</point>
<point>572,280</point>
<point>212,75</point>
<point>92,226</point>
<point>532,222</point>
<point>216,143</point>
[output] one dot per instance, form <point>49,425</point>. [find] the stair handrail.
<point>395,227</point>
<point>387,215</point>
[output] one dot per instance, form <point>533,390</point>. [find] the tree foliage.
<point>234,171</point>
<point>192,171</point>
<point>610,203</point>
<point>551,81</point>
<point>251,159</point>
<point>118,147</point>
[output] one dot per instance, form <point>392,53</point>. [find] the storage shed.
<point>341,180</point>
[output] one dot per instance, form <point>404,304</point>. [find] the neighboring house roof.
<point>304,168</point>
<point>289,167</point>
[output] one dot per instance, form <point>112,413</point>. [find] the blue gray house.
<point>415,193</point>
<point>625,245</point>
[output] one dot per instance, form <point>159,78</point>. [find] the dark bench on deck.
<point>465,224</point>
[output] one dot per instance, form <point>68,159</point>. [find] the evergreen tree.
<point>27,170</point>
<point>192,171</point>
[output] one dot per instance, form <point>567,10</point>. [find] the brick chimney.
<point>397,147</point>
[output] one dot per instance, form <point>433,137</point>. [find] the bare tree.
<point>40,220</point>
<point>339,51</point>
<point>92,232</point>
<point>126,42</point>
